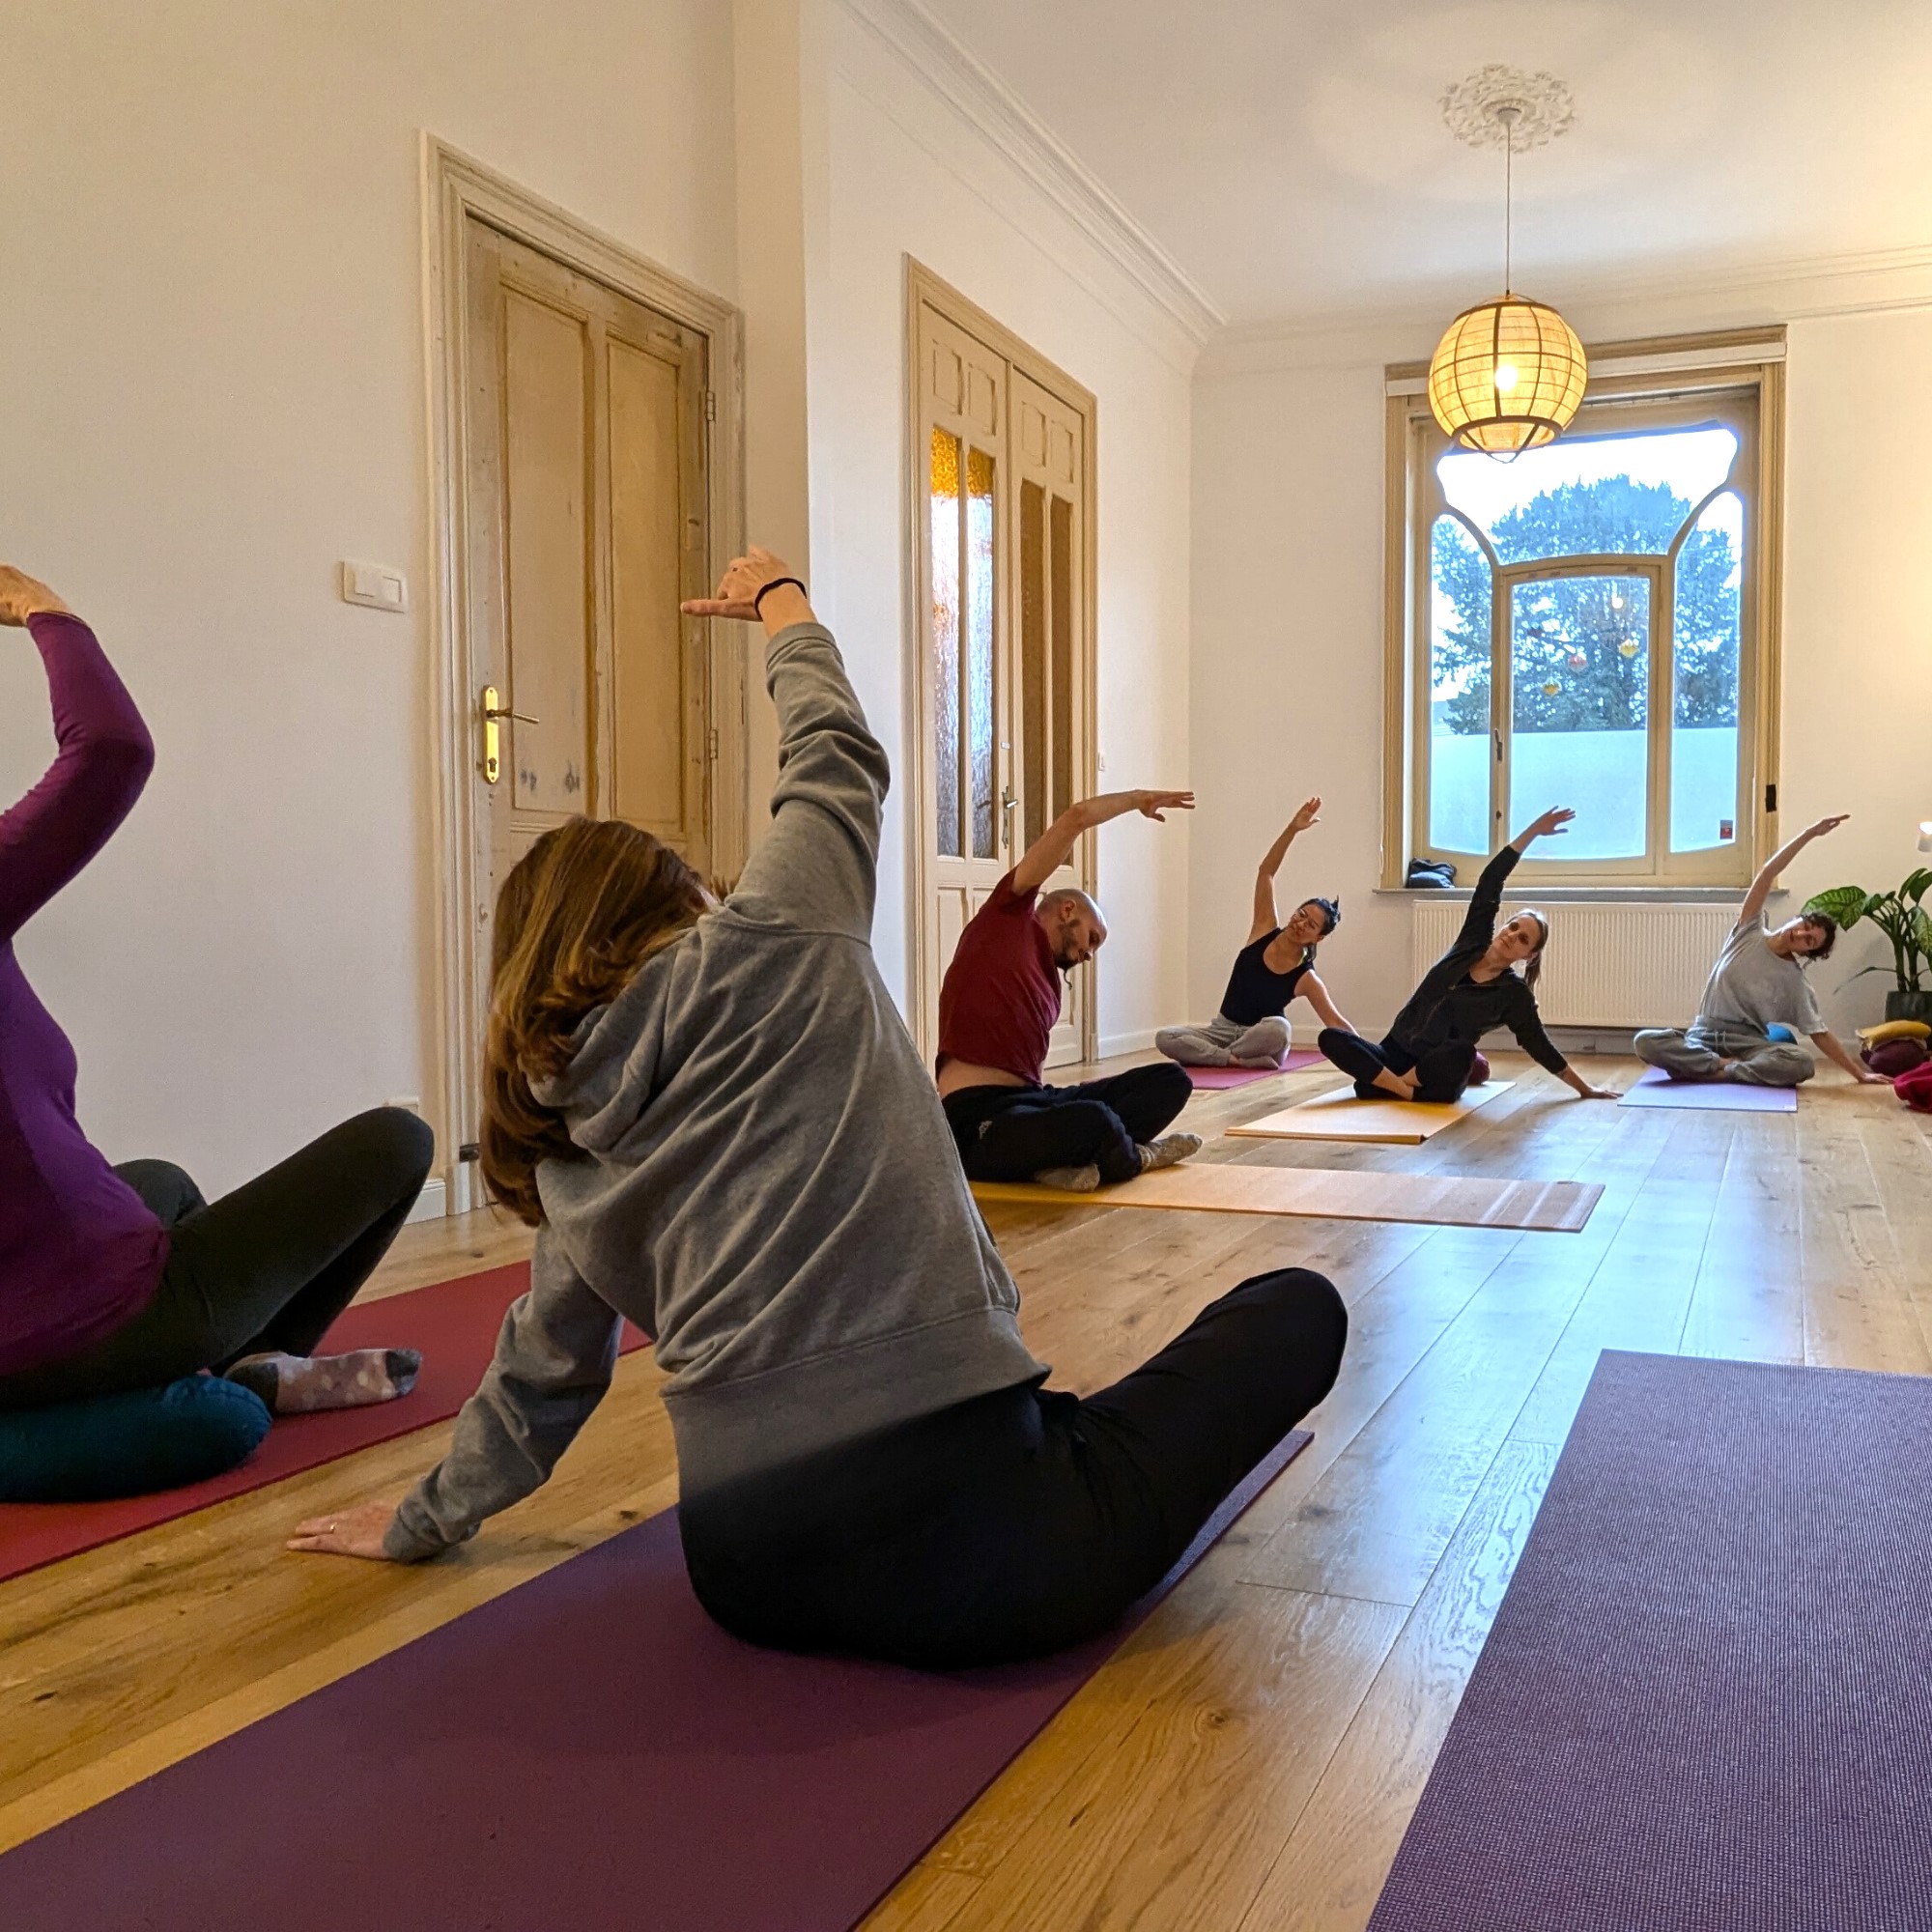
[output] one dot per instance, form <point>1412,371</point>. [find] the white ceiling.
<point>1291,157</point>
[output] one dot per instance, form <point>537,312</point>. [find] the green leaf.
<point>1915,887</point>
<point>1843,905</point>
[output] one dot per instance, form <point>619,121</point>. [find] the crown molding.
<point>1801,289</point>
<point>1025,141</point>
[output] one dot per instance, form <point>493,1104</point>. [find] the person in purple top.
<point>120,1278</point>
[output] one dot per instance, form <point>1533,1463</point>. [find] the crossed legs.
<point>1012,1133</point>
<point>1700,1052</point>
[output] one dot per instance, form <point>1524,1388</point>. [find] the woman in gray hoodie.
<point>720,1127</point>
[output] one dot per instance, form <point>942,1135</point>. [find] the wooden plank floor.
<point>1250,1757</point>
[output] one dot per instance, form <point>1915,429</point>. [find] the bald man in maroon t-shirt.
<point>998,1007</point>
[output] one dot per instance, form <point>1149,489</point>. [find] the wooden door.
<point>1048,670</point>
<point>1004,703</point>
<point>586,436</point>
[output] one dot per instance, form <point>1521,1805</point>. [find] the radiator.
<point>1610,965</point>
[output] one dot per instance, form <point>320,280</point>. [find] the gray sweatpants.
<point>1694,1053</point>
<point>1226,1042</point>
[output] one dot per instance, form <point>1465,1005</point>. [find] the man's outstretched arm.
<point>1054,846</point>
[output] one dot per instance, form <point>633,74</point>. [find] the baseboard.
<point>1111,1044</point>
<point>432,1204</point>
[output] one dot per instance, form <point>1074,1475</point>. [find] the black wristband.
<point>758,602</point>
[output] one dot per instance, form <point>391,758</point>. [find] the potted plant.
<point>1901,915</point>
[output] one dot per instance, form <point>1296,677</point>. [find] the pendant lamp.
<point>1508,374</point>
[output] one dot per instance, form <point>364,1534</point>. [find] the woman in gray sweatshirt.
<point>720,1127</point>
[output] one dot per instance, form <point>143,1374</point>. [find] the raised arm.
<point>1486,901</point>
<point>555,1355</point>
<point>1054,846</point>
<point>103,763</point>
<point>1267,915</point>
<point>1759,895</point>
<point>817,868</point>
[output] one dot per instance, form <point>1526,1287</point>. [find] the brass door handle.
<point>493,711</point>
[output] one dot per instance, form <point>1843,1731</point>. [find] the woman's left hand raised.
<point>738,588</point>
<point>1556,819</point>
<point>355,1531</point>
<point>22,597</point>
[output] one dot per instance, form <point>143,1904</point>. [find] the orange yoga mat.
<point>1332,1193</point>
<point>1342,1116</point>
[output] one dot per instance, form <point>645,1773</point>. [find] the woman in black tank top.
<point>1275,966</point>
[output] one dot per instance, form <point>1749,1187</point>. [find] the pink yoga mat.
<point>1239,1076</point>
<point>1657,1089</point>
<point>454,1324</point>
<point>587,1751</point>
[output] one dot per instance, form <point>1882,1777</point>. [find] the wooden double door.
<point>1005,673</point>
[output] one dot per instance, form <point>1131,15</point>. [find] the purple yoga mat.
<point>1703,1703</point>
<point>587,1751</point>
<point>1657,1089</point>
<point>1239,1076</point>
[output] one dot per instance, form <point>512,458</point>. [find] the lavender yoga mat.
<point>1703,1703</point>
<point>1657,1089</point>
<point>1239,1076</point>
<point>589,1751</point>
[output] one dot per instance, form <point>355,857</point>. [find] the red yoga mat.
<point>454,1326</point>
<point>1239,1076</point>
<point>588,1751</point>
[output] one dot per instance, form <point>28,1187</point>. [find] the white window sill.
<point>1519,888</point>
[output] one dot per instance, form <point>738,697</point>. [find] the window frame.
<point>1633,385</point>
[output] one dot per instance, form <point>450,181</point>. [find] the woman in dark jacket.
<point>1471,990</point>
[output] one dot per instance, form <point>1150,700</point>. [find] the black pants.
<point>268,1266</point>
<point>1011,1133</point>
<point>1020,1521</point>
<point>1443,1070</point>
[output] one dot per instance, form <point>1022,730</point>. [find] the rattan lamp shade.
<point>1507,375</point>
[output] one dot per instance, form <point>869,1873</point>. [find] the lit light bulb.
<point>1925,834</point>
<point>1505,378</point>
<point>1617,600</point>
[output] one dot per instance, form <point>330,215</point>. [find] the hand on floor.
<point>355,1531</point>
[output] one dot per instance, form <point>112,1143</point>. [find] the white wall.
<point>909,176</point>
<point>211,389</point>
<point>1287,626</point>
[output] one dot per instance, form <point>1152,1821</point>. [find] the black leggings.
<point>1020,1521</point>
<point>1011,1133</point>
<point>1444,1071</point>
<point>268,1266</point>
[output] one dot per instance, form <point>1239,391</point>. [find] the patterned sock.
<point>299,1384</point>
<point>1170,1150</point>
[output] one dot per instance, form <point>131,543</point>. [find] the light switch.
<point>375,585</point>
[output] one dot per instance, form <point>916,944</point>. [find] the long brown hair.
<point>579,914</point>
